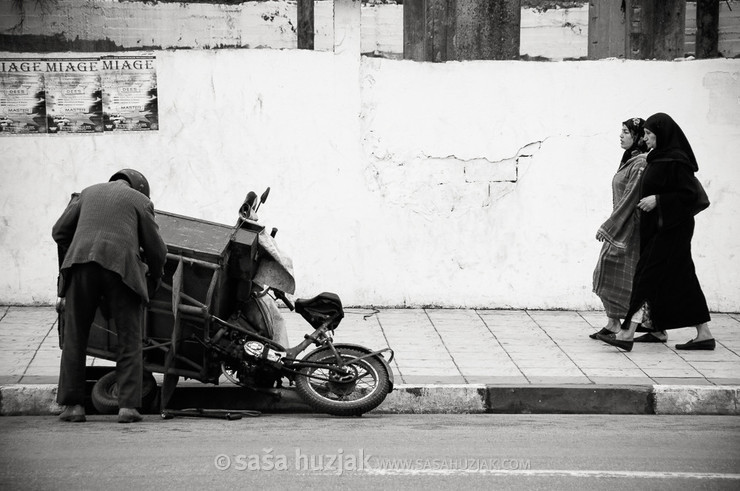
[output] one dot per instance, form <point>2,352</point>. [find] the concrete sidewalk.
<point>459,361</point>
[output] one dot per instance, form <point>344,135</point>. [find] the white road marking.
<point>556,473</point>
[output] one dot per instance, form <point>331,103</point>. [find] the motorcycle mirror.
<point>263,198</point>
<point>251,198</point>
<point>248,204</point>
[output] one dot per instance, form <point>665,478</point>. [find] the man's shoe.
<point>641,328</point>
<point>73,414</point>
<point>624,345</point>
<point>128,415</point>
<point>649,338</point>
<point>707,344</point>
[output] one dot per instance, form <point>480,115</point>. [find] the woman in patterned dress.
<point>615,269</point>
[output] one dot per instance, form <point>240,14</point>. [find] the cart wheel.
<point>105,393</point>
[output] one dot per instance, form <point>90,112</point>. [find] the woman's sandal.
<point>604,332</point>
<point>649,338</point>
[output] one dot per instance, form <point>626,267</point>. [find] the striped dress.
<point>615,269</point>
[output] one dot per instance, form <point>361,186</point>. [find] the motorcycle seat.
<point>318,309</point>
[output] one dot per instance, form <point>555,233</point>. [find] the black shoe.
<point>707,344</point>
<point>641,328</point>
<point>73,414</point>
<point>604,332</point>
<point>649,338</point>
<point>127,415</point>
<point>624,345</point>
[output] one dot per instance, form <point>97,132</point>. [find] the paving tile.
<point>16,355</point>
<point>31,316</point>
<point>41,371</point>
<point>614,373</point>
<point>406,371</point>
<point>644,380</point>
<point>46,363</point>
<point>497,380</point>
<point>601,362</point>
<point>557,380</point>
<point>595,318</point>
<point>478,363</point>
<point>681,381</point>
<point>560,364</point>
<point>727,374</point>
<point>647,360</point>
<point>15,343</point>
<point>554,314</point>
<point>665,365</point>
<point>716,365</point>
<point>671,372</point>
<point>497,372</point>
<point>13,366</point>
<point>437,365</point>
<point>401,355</point>
<point>481,354</point>
<point>40,379</point>
<point>723,320</point>
<point>551,372</point>
<point>724,381</point>
<point>433,379</point>
<point>718,355</point>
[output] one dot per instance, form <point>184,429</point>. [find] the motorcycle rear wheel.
<point>364,389</point>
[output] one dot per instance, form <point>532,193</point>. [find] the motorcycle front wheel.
<point>362,388</point>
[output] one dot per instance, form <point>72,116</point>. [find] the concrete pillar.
<point>707,28</point>
<point>347,40</point>
<point>445,30</point>
<point>655,29</point>
<point>305,24</point>
<point>607,29</point>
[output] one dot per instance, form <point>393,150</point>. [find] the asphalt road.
<point>373,452</point>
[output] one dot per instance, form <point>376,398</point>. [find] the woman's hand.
<point>648,203</point>
<point>600,237</point>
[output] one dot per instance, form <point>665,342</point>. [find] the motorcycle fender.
<point>364,349</point>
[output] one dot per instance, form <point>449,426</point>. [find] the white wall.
<point>475,184</point>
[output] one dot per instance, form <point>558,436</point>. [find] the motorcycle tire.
<point>105,393</point>
<point>344,398</point>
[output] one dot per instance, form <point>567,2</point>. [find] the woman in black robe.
<point>665,281</point>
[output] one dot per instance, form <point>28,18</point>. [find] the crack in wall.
<point>436,186</point>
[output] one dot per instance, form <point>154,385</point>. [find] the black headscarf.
<point>636,126</point>
<point>671,143</point>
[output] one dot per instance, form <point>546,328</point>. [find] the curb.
<point>40,400</point>
<point>677,399</point>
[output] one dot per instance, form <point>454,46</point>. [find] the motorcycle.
<point>216,315</point>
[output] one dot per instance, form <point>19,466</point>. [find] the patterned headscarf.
<point>637,128</point>
<point>671,143</point>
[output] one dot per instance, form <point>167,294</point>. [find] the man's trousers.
<point>90,286</point>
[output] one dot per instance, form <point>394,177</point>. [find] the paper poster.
<point>22,99</point>
<point>68,95</point>
<point>74,101</point>
<point>129,86</point>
